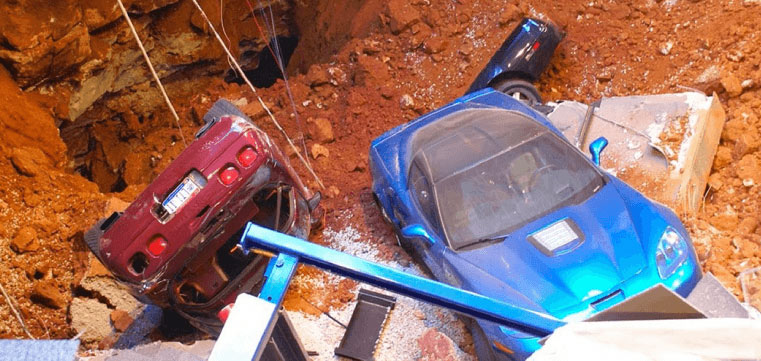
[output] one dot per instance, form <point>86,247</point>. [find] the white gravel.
<point>406,323</point>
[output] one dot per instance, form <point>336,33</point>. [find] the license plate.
<point>181,195</point>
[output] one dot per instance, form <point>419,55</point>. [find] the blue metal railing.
<point>292,250</point>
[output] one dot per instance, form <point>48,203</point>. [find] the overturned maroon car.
<point>175,245</point>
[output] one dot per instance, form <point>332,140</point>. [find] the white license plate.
<point>181,195</point>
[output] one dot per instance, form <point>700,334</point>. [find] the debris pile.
<point>359,70</point>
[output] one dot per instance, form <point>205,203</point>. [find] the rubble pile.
<point>81,119</point>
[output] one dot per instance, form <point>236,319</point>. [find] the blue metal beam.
<point>280,271</point>
<point>469,303</point>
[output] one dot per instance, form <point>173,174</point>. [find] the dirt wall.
<point>361,68</point>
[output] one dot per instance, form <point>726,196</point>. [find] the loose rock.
<point>320,130</point>
<point>406,102</point>
<point>731,84</point>
<point>121,320</point>
<point>29,161</point>
<point>320,151</point>
<point>25,240</point>
<point>112,291</point>
<point>436,346</point>
<point>332,192</point>
<point>47,294</point>
<point>401,15</point>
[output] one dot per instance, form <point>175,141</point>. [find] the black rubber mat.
<point>365,326</point>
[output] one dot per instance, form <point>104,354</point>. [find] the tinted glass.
<point>506,189</point>
<point>423,193</point>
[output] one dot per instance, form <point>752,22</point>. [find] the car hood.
<point>610,252</point>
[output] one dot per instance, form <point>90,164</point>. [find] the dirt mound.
<point>359,70</point>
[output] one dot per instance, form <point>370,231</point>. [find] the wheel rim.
<point>521,96</point>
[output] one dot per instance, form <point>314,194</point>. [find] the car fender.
<point>650,219</point>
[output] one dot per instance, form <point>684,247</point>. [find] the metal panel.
<point>246,331</point>
<point>365,326</point>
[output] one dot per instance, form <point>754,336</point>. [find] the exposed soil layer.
<point>386,63</point>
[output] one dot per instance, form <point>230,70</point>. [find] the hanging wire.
<point>277,55</point>
<point>222,23</point>
<point>153,71</point>
<point>261,102</point>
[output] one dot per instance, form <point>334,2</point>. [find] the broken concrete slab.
<point>143,323</point>
<point>90,318</point>
<point>161,351</point>
<point>38,350</point>
<point>663,145</point>
<point>696,339</point>
<point>116,294</point>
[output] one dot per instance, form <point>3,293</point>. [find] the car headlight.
<point>671,252</point>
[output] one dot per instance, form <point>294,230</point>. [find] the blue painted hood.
<point>611,252</point>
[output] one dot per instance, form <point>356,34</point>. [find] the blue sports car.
<point>490,197</point>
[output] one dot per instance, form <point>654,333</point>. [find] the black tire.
<point>221,108</point>
<point>481,342</point>
<point>92,237</point>
<point>520,90</point>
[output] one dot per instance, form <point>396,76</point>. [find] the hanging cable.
<point>222,24</point>
<point>153,71</point>
<point>279,60</point>
<point>261,102</point>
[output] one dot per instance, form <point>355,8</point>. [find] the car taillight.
<point>535,46</point>
<point>246,156</point>
<point>157,245</point>
<point>225,312</point>
<point>228,175</point>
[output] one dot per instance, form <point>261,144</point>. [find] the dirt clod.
<point>29,161</point>
<point>47,293</point>
<point>121,320</point>
<point>25,240</point>
<point>320,130</point>
<point>731,84</point>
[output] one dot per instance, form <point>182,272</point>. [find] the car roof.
<point>461,139</point>
<point>391,152</point>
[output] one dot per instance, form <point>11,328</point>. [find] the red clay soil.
<point>403,60</point>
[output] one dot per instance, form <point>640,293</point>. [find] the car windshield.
<point>516,172</point>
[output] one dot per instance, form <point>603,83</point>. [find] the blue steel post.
<point>471,304</point>
<point>279,277</point>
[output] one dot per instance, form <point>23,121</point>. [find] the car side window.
<point>421,189</point>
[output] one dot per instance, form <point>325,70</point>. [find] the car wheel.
<point>212,328</point>
<point>221,108</point>
<point>92,237</point>
<point>481,343</point>
<point>520,90</point>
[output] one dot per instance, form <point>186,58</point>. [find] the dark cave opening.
<point>268,71</point>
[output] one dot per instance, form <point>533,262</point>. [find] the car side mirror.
<point>596,147</point>
<point>417,231</point>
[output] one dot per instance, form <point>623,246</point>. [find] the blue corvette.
<point>492,198</point>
